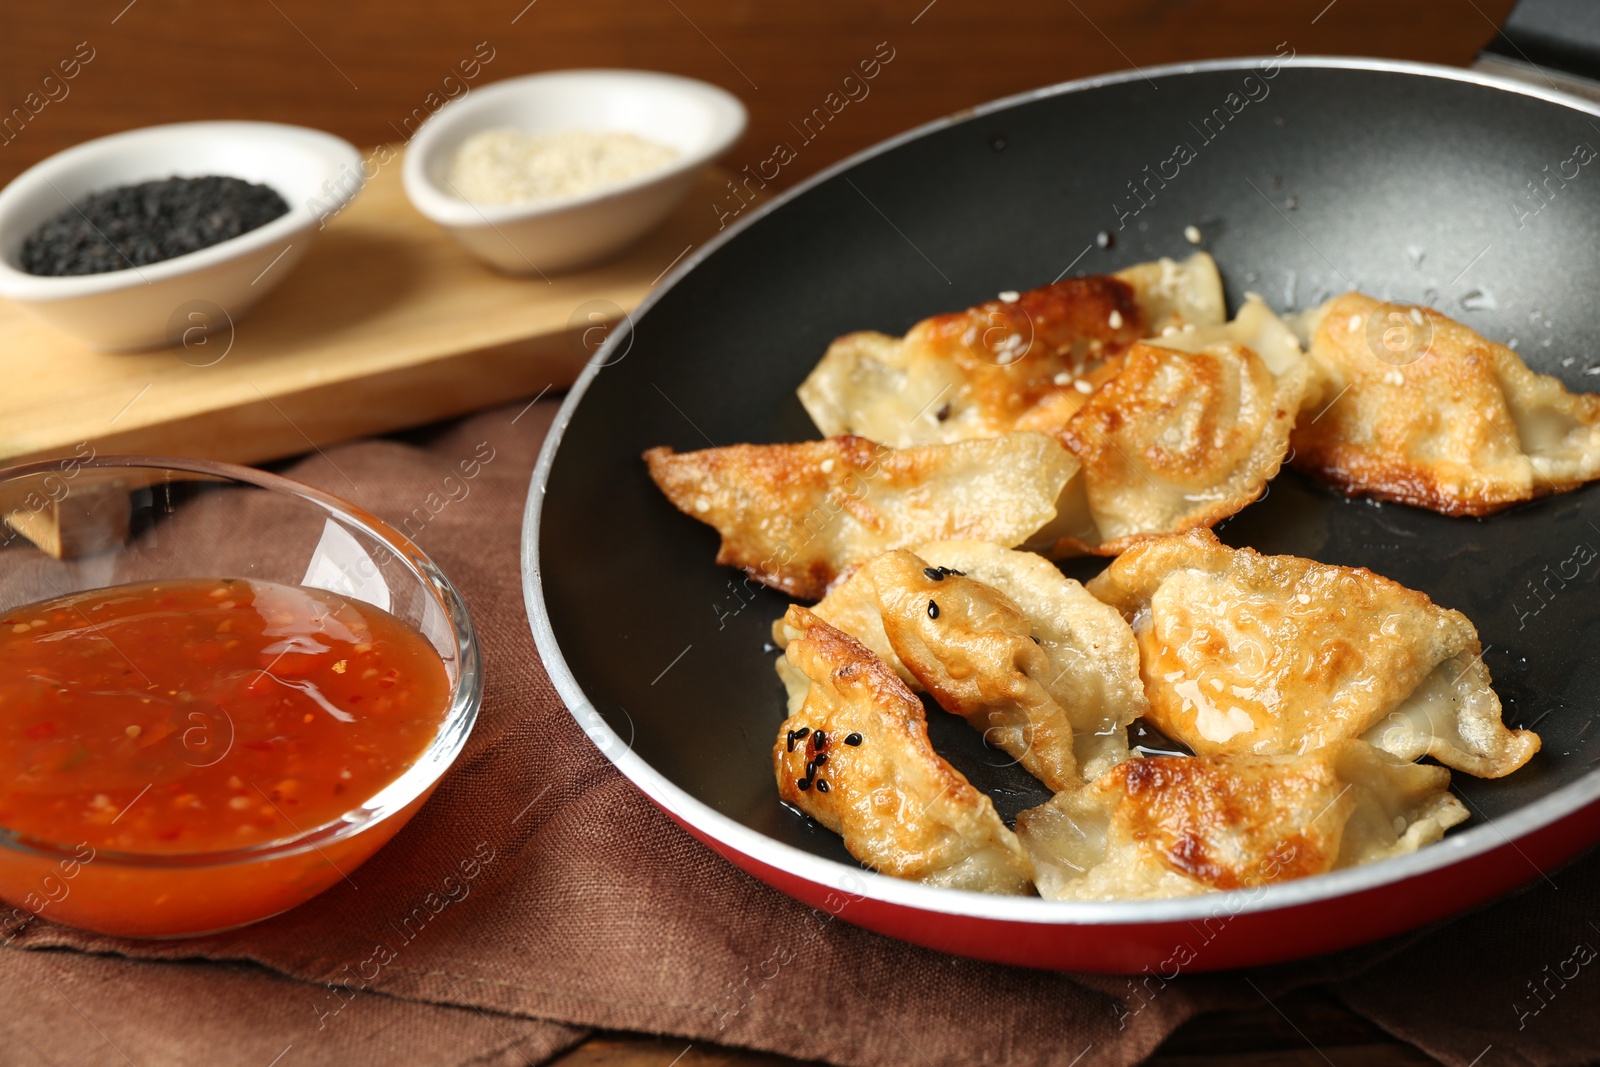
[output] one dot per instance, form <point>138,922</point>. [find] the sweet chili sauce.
<point>205,714</point>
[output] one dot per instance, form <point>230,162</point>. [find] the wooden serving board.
<point>386,323</point>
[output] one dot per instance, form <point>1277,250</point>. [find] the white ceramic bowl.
<point>699,120</point>
<point>152,305</point>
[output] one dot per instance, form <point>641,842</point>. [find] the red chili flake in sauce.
<point>204,714</point>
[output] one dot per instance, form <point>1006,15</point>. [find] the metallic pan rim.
<point>889,890</point>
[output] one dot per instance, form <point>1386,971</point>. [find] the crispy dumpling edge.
<point>1112,586</point>
<point>1166,292</point>
<point>1030,455</point>
<point>1357,471</point>
<point>1002,848</point>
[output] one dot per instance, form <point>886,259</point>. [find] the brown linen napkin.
<point>68,1007</point>
<point>1516,983</point>
<point>589,908</point>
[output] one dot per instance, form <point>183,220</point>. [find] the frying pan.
<point>1410,182</point>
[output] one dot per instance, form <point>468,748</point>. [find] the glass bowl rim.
<point>424,773</point>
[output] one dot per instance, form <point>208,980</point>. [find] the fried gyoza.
<point>1242,652</point>
<point>855,756</point>
<point>1418,408</point>
<point>1023,653</point>
<point>797,516</point>
<point>1007,364</point>
<point>1187,432</point>
<point>1173,826</point>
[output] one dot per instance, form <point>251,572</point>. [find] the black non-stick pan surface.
<point>1304,178</point>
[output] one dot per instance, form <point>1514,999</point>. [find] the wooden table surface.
<point>372,70</point>
<point>1307,1028</point>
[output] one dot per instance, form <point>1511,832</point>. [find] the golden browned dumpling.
<point>973,650</point>
<point>1187,432</point>
<point>1417,408</point>
<point>1174,295</point>
<point>1048,673</point>
<point>1245,653</point>
<point>798,516</point>
<point>1014,363</point>
<point>855,756</point>
<point>1174,826</point>
<point>1258,328</point>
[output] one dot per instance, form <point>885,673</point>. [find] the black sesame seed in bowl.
<point>137,225</point>
<point>110,240</point>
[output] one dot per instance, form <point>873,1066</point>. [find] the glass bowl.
<point>112,520</point>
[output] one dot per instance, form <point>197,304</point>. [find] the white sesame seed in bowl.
<point>507,166</point>
<point>606,155</point>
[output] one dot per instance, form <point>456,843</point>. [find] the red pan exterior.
<point>608,539</point>
<point>1219,942</point>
